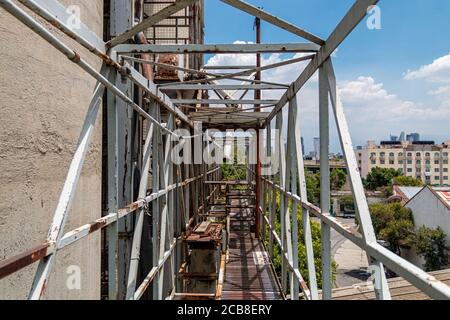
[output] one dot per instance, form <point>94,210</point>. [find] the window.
<point>445,169</point>
<point>382,161</point>
<point>418,161</point>
<point>445,178</point>
<point>427,161</point>
<point>409,154</point>
<point>391,161</point>
<point>436,161</point>
<point>445,161</point>
<point>445,154</point>
<point>436,169</point>
<point>409,169</point>
<point>400,161</point>
<point>436,155</point>
<point>427,154</point>
<point>409,161</point>
<point>436,178</point>
<point>418,154</point>
<point>418,177</point>
<point>391,154</point>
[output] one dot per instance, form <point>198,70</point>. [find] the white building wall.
<point>428,211</point>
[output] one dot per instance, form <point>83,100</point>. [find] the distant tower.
<point>412,137</point>
<point>394,138</point>
<point>303,146</point>
<point>317,148</point>
<point>402,136</point>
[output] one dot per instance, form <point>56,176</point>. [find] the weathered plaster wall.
<point>43,102</point>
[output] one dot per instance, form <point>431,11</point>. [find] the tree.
<point>380,177</point>
<point>394,224</point>
<point>313,187</point>
<point>407,181</point>
<point>337,178</point>
<point>432,246</point>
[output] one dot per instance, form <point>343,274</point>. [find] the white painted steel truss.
<point>178,189</point>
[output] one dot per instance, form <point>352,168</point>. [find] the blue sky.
<point>393,79</point>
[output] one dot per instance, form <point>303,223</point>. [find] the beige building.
<point>424,160</point>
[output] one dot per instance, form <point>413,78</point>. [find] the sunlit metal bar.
<point>223,87</point>
<point>325,192</point>
<point>228,67</point>
<point>356,13</point>
<point>220,101</point>
<point>216,48</point>
<point>246,7</point>
<point>151,21</point>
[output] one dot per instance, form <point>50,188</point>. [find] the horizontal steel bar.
<point>223,87</point>
<point>222,101</point>
<point>228,67</point>
<point>216,48</point>
<point>20,261</point>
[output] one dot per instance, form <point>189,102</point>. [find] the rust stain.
<point>22,260</point>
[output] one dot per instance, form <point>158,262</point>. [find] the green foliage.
<point>313,187</point>
<point>317,244</point>
<point>337,179</point>
<point>431,245</point>
<point>407,181</point>
<point>380,177</point>
<point>394,224</point>
<point>233,171</point>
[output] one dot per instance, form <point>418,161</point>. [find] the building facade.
<point>430,208</point>
<point>423,160</point>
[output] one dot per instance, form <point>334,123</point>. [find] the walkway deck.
<point>248,273</point>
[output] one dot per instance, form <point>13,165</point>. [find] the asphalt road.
<point>351,260</point>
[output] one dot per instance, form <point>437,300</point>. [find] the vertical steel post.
<point>325,185</point>
<point>112,231</point>
<point>282,176</point>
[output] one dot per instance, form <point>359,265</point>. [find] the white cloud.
<point>439,91</point>
<point>438,71</point>
<point>368,100</point>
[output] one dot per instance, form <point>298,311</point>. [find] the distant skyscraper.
<point>402,136</point>
<point>412,137</point>
<point>394,138</point>
<point>317,148</point>
<point>303,147</point>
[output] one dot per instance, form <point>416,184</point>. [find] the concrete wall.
<point>43,102</point>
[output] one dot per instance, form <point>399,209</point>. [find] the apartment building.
<point>423,160</point>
